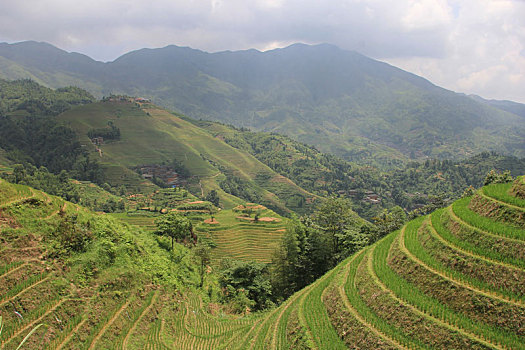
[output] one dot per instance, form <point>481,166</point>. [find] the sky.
<point>469,46</point>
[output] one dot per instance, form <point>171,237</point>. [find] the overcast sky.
<point>470,46</point>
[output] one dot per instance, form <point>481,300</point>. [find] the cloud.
<point>484,56</point>
<point>458,44</point>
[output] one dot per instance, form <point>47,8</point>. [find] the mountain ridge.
<point>340,101</point>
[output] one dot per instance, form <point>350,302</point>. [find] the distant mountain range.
<point>340,101</point>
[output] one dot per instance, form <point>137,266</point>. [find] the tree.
<point>493,177</point>
<point>203,252</point>
<point>239,277</point>
<point>175,226</point>
<point>388,221</point>
<point>213,197</point>
<point>335,217</point>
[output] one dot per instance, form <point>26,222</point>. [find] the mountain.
<point>340,101</point>
<point>453,279</point>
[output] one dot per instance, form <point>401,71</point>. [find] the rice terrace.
<point>269,174</point>
<point>458,273</point>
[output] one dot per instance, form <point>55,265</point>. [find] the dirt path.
<point>489,294</point>
<point>416,310</point>
<point>108,324</point>
<point>146,310</point>
<point>436,235</point>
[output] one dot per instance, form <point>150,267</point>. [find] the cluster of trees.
<point>61,186</point>
<point>245,286</point>
<point>31,135</point>
<point>495,177</point>
<point>311,246</point>
<point>240,188</point>
<point>213,197</point>
<point>109,133</point>
<point>43,141</point>
<point>42,179</point>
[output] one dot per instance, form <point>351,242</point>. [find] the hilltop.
<point>340,101</point>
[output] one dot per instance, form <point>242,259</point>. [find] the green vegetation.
<point>149,135</point>
<point>208,269</point>
<point>411,187</point>
<point>423,286</point>
<point>174,226</point>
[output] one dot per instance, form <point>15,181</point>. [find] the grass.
<point>501,193</point>
<point>427,304</point>
<point>426,255</point>
<point>242,239</point>
<point>462,210</point>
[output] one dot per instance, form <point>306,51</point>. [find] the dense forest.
<point>31,135</point>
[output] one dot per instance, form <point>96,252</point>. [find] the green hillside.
<point>88,279</point>
<point>453,279</point>
<point>153,136</point>
<point>340,101</point>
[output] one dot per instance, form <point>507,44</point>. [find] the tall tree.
<point>175,226</point>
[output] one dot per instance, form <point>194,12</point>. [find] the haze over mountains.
<point>342,102</point>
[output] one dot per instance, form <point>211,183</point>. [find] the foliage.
<point>313,245</point>
<point>109,133</point>
<point>203,253</point>
<point>72,234</point>
<point>35,99</point>
<point>42,179</point>
<point>175,226</point>
<point>45,142</point>
<point>239,279</point>
<point>238,187</point>
<point>212,197</point>
<point>494,177</point>
<point>409,186</point>
<point>388,221</point>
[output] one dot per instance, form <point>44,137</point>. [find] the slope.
<point>79,274</point>
<point>451,280</point>
<point>150,135</point>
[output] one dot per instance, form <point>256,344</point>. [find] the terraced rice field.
<point>243,239</point>
<point>452,280</point>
